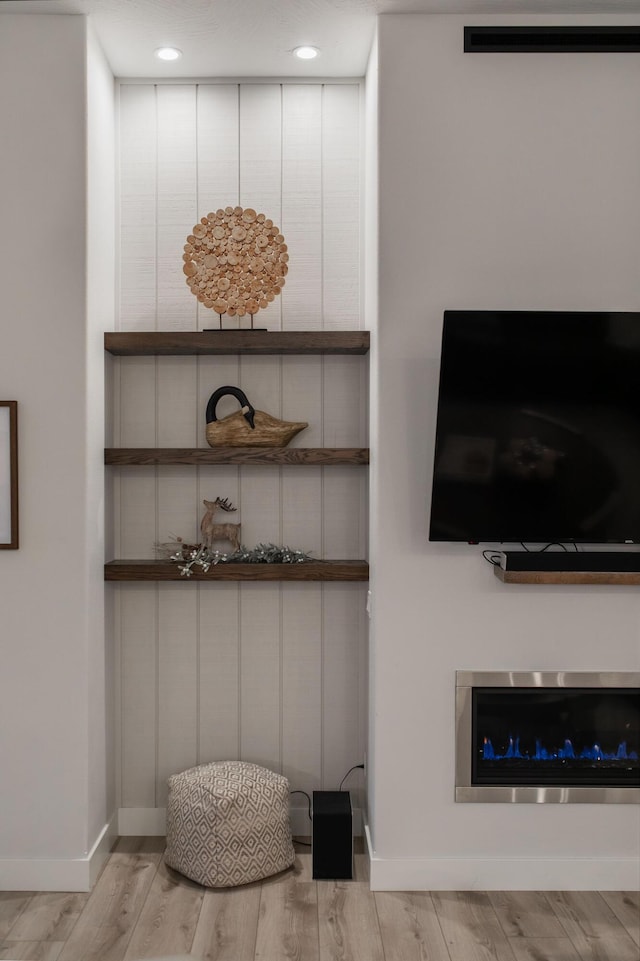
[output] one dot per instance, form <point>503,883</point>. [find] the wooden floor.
<point>140,909</point>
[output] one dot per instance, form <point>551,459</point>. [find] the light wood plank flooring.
<point>140,909</point>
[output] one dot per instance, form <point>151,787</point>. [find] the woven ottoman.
<point>228,823</point>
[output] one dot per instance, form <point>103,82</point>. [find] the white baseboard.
<point>101,849</point>
<point>152,822</point>
<point>501,874</point>
<point>58,874</point>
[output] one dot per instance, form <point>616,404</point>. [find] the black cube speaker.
<point>332,836</point>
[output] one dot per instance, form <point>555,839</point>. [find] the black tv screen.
<point>538,428</point>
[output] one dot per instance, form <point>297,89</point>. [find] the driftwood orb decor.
<point>235,261</point>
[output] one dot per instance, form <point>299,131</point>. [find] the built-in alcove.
<point>239,664</point>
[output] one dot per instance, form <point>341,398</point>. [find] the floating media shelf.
<point>629,578</point>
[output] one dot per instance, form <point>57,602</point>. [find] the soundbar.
<point>613,561</point>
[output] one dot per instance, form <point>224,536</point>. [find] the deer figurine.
<point>219,532</point>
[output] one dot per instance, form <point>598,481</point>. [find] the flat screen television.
<point>538,428</point>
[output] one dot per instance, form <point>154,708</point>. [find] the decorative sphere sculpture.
<point>235,261</point>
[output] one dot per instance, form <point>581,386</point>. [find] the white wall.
<point>371,255</point>
<point>50,635</point>
<point>100,316</point>
<point>506,181</point>
<point>270,673</point>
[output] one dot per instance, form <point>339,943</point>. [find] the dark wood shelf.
<point>137,343</point>
<point>258,456</point>
<point>568,577</point>
<point>148,570</point>
<point>238,342</point>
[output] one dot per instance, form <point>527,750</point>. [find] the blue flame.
<point>566,752</point>
<point>487,750</point>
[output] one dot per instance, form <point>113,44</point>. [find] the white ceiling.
<point>254,38</point>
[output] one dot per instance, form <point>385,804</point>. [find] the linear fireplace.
<point>548,737</point>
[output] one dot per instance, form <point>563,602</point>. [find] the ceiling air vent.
<point>552,39</point>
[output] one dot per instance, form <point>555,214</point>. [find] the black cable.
<point>307,797</point>
<point>545,548</point>
<point>307,844</point>
<point>491,557</point>
<point>354,768</point>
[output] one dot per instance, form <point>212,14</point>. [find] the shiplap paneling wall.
<point>272,673</point>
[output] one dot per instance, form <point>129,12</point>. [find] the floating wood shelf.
<point>238,342</point>
<point>147,570</point>
<point>567,577</point>
<point>259,456</point>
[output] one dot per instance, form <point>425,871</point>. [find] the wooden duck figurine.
<point>248,427</point>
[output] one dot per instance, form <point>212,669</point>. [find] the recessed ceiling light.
<point>306,53</point>
<point>168,53</point>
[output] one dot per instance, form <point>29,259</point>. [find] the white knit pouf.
<point>228,823</point>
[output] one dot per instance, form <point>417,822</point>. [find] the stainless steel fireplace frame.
<point>465,791</point>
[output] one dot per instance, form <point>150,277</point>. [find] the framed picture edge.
<point>12,505</point>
